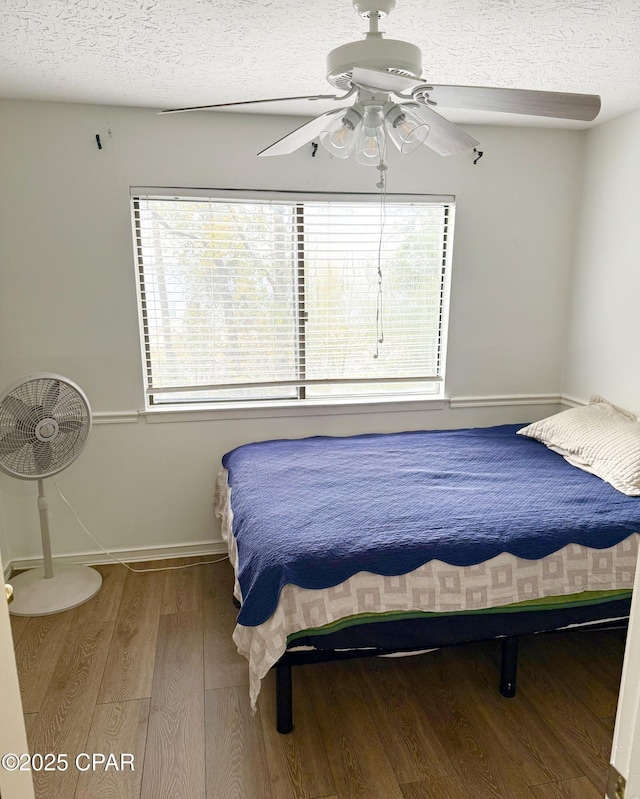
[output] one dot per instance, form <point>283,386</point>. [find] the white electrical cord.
<point>117,560</point>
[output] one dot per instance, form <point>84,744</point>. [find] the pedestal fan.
<point>45,420</point>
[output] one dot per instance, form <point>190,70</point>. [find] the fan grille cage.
<point>44,425</point>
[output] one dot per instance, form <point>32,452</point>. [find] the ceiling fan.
<point>391,101</point>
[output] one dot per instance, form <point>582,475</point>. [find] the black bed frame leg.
<point>509,667</point>
<point>284,698</point>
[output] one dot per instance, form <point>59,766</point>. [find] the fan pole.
<point>44,529</point>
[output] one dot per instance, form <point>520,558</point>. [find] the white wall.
<point>604,319</point>
<point>68,303</point>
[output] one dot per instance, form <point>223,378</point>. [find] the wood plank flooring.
<point>147,669</point>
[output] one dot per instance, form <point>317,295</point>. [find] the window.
<point>279,297</point>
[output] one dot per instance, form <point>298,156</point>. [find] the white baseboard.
<point>213,548</point>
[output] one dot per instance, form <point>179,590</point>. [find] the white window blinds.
<point>291,298</point>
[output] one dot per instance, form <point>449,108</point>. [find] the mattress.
<point>435,586</point>
<point>315,512</point>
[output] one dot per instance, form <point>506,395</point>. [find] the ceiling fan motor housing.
<point>380,7</point>
<point>374,52</point>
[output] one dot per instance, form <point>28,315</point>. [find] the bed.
<point>403,542</point>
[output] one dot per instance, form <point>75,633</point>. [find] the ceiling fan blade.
<point>384,81</point>
<point>251,102</point>
<point>444,137</point>
<point>300,136</point>
<point>562,105</point>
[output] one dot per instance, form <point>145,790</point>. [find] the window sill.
<point>296,408</point>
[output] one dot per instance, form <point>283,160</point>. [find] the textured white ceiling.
<point>168,53</point>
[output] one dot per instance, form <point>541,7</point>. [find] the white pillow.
<point>599,438</point>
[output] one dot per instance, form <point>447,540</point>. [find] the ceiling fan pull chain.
<point>382,185</point>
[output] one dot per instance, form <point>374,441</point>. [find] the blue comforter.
<point>315,511</point>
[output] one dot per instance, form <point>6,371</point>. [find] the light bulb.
<point>340,136</point>
<point>406,129</point>
<point>371,141</point>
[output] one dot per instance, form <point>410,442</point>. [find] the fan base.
<point>35,595</point>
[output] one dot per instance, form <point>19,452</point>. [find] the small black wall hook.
<point>98,142</point>
<point>479,154</point>
<point>314,148</point>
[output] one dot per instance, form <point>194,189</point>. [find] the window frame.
<point>300,399</point>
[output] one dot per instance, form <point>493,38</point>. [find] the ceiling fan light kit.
<point>393,101</point>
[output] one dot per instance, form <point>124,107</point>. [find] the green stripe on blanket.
<point>544,603</point>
